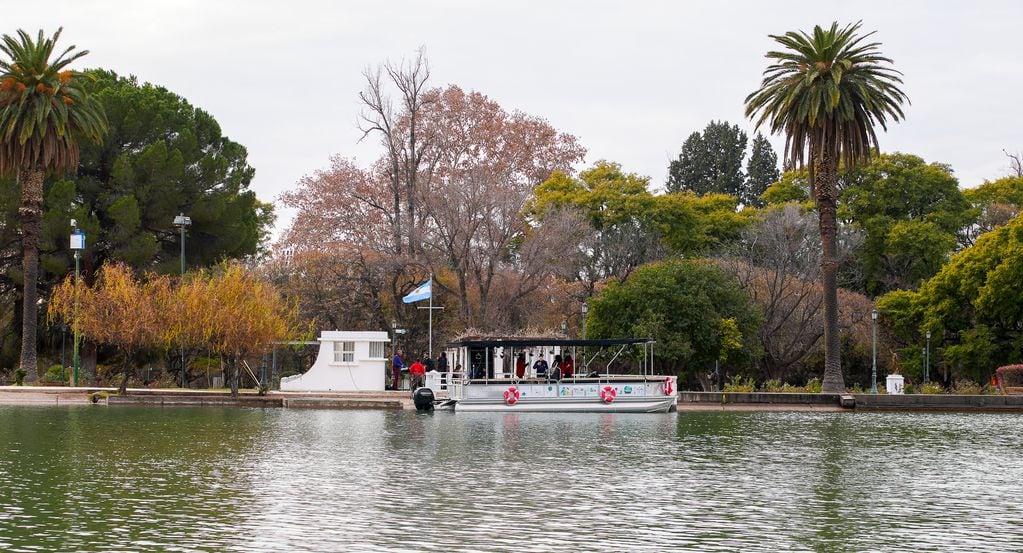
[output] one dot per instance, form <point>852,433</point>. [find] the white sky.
<point>630,79</point>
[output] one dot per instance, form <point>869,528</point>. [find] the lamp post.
<point>182,223</point>
<point>585,309</point>
<point>77,244</point>
<point>927,358</point>
<point>394,336</point>
<point>873,361</point>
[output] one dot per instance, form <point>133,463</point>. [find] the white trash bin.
<point>433,380</point>
<point>894,384</point>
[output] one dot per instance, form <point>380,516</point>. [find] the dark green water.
<point>133,479</point>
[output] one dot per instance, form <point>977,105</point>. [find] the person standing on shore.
<point>416,371</point>
<point>397,366</point>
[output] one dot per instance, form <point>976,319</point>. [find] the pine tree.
<point>761,172</point>
<point>710,163</point>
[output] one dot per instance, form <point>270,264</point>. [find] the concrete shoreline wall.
<point>688,401</point>
<point>863,402</point>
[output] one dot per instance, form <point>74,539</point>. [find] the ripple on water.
<point>124,479</point>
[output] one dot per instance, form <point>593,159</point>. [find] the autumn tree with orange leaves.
<point>229,311</point>
<point>118,310</point>
<point>236,314</point>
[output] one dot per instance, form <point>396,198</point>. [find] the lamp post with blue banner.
<point>77,244</point>
<point>422,292</point>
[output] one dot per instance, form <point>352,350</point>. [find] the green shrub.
<point>814,386</point>
<point>773,385</point>
<point>738,384</point>
<point>931,388</point>
<point>55,374</point>
<point>19,376</point>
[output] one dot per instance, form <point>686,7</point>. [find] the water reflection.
<point>101,479</point>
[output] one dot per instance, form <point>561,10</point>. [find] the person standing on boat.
<point>442,366</point>
<point>520,365</point>
<point>416,371</point>
<point>540,367</point>
<point>396,368</point>
<point>568,366</point>
<point>556,368</point>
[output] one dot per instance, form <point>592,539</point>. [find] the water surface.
<point>95,478</point>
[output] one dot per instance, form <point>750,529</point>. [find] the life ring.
<point>668,389</point>
<point>607,394</point>
<point>511,395</point>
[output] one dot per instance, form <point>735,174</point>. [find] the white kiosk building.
<point>347,362</point>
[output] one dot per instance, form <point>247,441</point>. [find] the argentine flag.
<point>424,291</point>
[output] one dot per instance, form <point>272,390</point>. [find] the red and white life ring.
<point>607,394</point>
<point>668,388</point>
<point>511,395</point>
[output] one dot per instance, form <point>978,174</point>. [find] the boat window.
<point>344,352</point>
<point>376,350</point>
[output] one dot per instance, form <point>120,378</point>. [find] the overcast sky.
<point>630,79</point>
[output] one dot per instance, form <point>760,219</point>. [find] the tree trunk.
<point>87,362</point>
<point>827,200</point>
<point>233,364</point>
<point>126,371</point>
<point>31,181</point>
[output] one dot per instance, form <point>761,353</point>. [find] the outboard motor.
<point>423,399</point>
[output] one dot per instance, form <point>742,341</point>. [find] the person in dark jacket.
<point>442,367</point>
<point>540,367</point>
<point>556,368</point>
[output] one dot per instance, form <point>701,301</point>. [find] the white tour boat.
<point>485,376</point>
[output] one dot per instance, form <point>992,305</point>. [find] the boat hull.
<point>649,404</point>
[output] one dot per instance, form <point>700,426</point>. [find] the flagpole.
<point>431,317</point>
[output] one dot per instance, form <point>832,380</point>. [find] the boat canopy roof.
<point>512,342</point>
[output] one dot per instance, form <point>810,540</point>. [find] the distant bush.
<point>1010,376</point>
<point>738,384</point>
<point>813,386</point>
<point>967,387</point>
<point>930,388</point>
<point>19,376</point>
<point>54,375</point>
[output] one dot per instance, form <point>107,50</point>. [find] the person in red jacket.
<point>520,365</point>
<point>568,367</point>
<point>417,371</point>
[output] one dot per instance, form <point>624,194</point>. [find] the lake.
<point>95,478</point>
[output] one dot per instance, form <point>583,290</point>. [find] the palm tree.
<point>826,92</point>
<point>43,112</point>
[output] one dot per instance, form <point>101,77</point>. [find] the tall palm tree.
<point>826,92</point>
<point>43,112</point>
